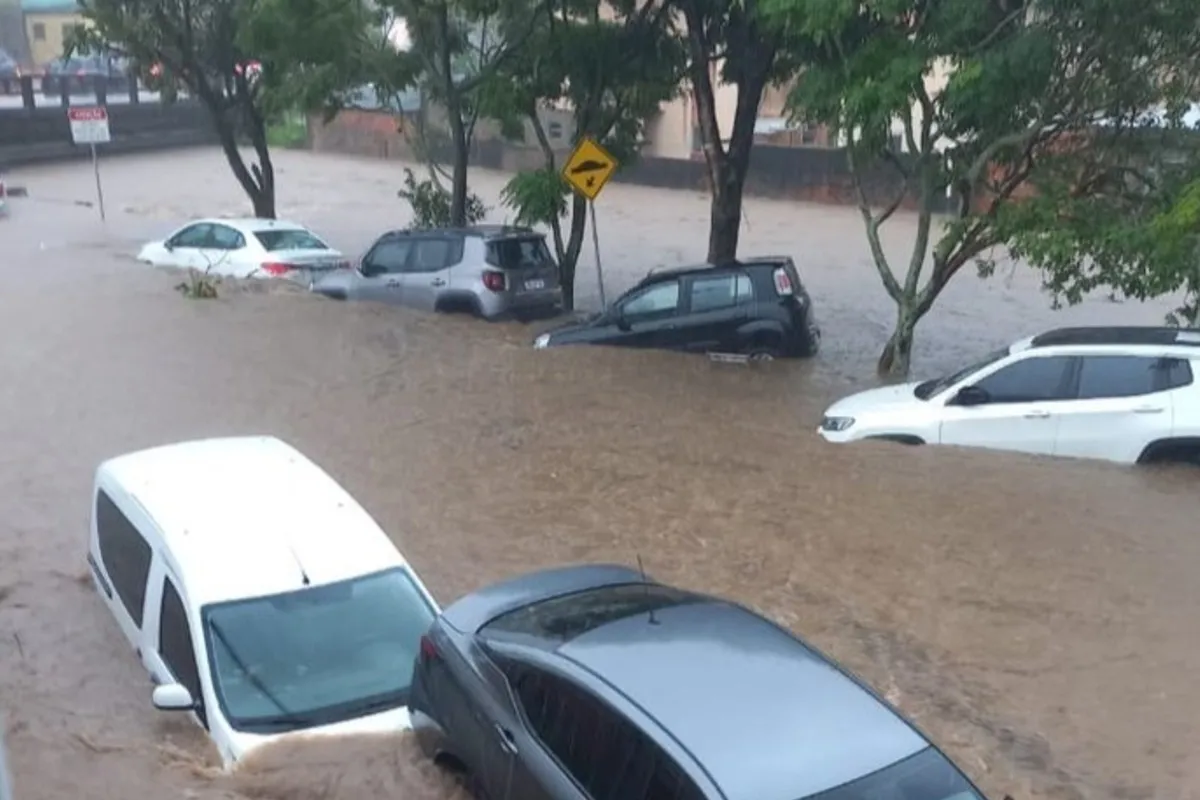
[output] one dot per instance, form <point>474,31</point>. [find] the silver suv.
<point>489,270</point>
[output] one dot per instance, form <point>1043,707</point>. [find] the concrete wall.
<point>37,135</point>
<point>816,174</point>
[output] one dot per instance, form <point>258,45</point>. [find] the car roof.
<point>1118,335</point>
<point>252,224</point>
<point>662,273</point>
<point>482,231</point>
<point>768,717</point>
<point>249,516</point>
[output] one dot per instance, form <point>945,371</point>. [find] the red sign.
<point>87,114</point>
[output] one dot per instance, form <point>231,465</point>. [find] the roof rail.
<point>1118,335</point>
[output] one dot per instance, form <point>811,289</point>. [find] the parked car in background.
<point>492,271</point>
<point>261,598</point>
<point>1124,394</point>
<point>756,307</point>
<point>246,248</point>
<point>80,72</point>
<point>597,683</point>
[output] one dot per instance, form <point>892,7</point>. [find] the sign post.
<point>89,125</point>
<point>587,171</point>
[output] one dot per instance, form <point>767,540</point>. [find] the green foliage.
<point>430,204</point>
<point>1020,111</point>
<point>288,130</point>
<point>539,197</point>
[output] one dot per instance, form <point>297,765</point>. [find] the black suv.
<point>756,307</point>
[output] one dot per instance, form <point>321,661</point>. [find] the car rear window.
<point>526,253</point>
<point>927,775</point>
<point>289,239</point>
<point>563,618</point>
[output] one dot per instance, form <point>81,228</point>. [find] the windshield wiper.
<point>255,681</point>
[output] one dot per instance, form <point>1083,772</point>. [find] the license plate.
<point>535,285</point>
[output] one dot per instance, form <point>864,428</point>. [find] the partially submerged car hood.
<point>571,330</point>
<point>391,721</point>
<point>885,398</point>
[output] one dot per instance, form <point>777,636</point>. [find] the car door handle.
<point>1037,414</point>
<point>507,743</point>
<point>393,284</point>
<point>437,282</point>
<point>1149,410</point>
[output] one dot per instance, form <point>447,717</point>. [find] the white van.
<point>262,599</point>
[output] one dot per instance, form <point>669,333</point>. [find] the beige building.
<point>47,23</point>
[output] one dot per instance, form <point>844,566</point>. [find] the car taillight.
<point>276,268</point>
<point>783,283</point>
<point>429,650</point>
<point>493,280</point>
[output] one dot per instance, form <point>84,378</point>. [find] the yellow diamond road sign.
<point>589,168</point>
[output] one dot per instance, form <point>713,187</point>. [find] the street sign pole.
<point>596,247</point>
<point>99,189</point>
<point>89,125</point>
<point>587,171</point>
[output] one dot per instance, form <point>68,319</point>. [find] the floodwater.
<point>1037,617</point>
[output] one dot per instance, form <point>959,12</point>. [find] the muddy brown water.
<point>1038,618</point>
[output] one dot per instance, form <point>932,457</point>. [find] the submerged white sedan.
<point>246,248</point>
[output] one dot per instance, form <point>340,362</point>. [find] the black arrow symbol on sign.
<point>591,165</point>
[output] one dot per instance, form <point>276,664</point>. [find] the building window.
<point>39,31</point>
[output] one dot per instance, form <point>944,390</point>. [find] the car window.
<point>429,255</point>
<point>223,237</point>
<point>564,617</point>
<point>1029,380</point>
<point>661,298</point>
<point>926,775</point>
<point>125,553</point>
<point>390,256</point>
<point>192,236</point>
<point>720,291</point>
<point>317,655</point>
<point>175,645</point>
<point>526,253</point>
<point>603,751</point>
<point>1130,376</point>
<point>289,239</point>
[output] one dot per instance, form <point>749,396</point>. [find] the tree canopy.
<point>1041,120</point>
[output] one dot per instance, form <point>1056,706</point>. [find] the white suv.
<point>1125,394</point>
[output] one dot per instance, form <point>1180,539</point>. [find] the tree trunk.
<point>264,170</point>
<point>896,358</point>
<point>458,182</point>
<point>258,186</point>
<point>725,214</point>
<point>570,258</point>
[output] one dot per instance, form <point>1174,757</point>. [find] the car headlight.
<point>834,424</point>
<point>541,342</point>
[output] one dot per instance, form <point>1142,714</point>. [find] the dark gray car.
<point>594,683</point>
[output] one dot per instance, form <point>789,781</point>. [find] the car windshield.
<point>927,775</point>
<point>928,389</point>
<point>317,655</point>
<point>290,239</point>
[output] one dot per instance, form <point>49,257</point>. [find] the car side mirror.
<point>971,396</point>
<point>168,246</point>
<point>620,320</point>
<point>172,697</point>
<point>367,269</point>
